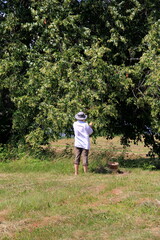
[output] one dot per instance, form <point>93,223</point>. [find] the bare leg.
<point>85,169</point>
<point>76,166</point>
<point>85,153</point>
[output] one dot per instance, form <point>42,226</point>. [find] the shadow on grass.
<point>100,165</point>
<point>144,163</point>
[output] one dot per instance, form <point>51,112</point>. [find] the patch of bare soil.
<point>117,191</point>
<point>3,215</point>
<point>156,231</point>
<point>46,221</point>
<point>117,195</point>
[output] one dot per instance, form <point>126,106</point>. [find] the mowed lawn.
<point>43,200</point>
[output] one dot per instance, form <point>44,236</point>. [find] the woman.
<point>82,131</point>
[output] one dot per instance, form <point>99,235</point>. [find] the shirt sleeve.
<point>89,129</point>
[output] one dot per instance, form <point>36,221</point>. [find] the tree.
<point>13,45</point>
<point>60,57</point>
<point>150,61</point>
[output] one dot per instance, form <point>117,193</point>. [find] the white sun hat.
<point>81,116</point>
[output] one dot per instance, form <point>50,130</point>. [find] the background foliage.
<point>59,57</point>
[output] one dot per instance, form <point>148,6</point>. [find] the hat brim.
<point>78,118</point>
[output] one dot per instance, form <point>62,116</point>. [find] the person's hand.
<point>91,124</point>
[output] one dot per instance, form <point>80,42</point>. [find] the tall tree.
<point>60,57</point>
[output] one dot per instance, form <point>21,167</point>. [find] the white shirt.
<point>82,131</point>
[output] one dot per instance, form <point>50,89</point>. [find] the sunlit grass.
<point>42,199</point>
<point>49,205</point>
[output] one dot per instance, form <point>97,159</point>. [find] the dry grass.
<point>134,151</point>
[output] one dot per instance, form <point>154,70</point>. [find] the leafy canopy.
<point>59,57</point>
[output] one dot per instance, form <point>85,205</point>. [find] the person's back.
<point>82,131</point>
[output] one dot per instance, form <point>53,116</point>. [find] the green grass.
<point>28,164</point>
<point>42,200</point>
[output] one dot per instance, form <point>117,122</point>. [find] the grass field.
<point>43,200</point>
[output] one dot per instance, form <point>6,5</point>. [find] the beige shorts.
<point>81,152</point>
